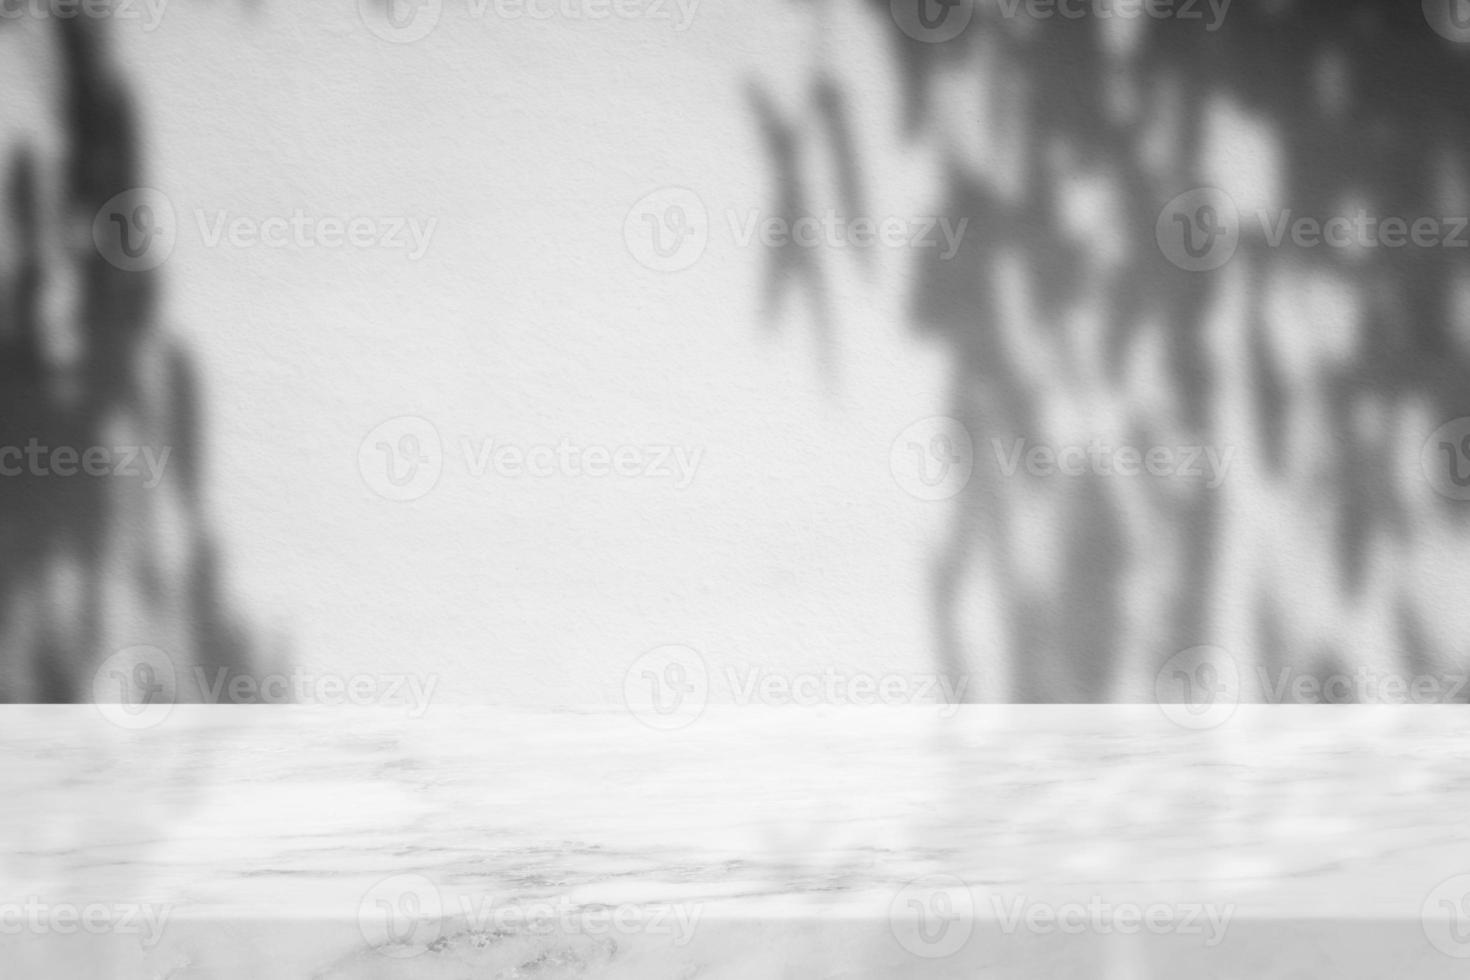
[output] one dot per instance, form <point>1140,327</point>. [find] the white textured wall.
<point>528,320</point>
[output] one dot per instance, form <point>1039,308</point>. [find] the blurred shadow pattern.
<point>1323,370</point>
<point>101,558</point>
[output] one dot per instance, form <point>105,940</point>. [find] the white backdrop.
<point>527,320</point>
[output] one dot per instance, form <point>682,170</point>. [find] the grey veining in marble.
<point>268,839</point>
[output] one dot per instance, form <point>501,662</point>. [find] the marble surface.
<point>753,842</point>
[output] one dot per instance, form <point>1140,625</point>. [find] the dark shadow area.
<point>113,556</point>
<point>1321,368</point>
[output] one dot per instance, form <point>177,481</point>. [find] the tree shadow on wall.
<point>1064,320</point>
<point>85,363</point>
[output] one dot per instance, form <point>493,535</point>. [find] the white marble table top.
<point>752,842</point>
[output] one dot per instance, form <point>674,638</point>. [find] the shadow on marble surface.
<point>340,843</point>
